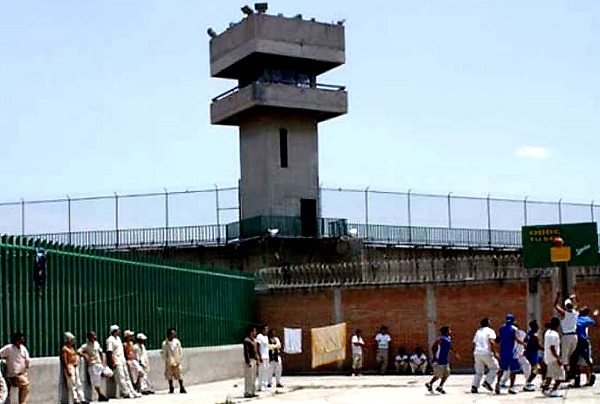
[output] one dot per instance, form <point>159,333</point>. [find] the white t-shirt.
<point>357,349</point>
<point>17,359</point>
<point>482,340</point>
<point>519,348</point>
<point>418,359</point>
<point>401,358</point>
<point>551,338</point>
<point>569,323</point>
<point>114,345</point>
<point>263,347</point>
<point>383,340</point>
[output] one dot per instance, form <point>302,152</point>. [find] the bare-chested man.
<point>71,369</point>
<point>135,370</point>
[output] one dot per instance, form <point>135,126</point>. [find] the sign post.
<point>561,245</point>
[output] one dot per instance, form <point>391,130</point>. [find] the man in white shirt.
<point>17,364</point>
<point>262,341</point>
<point>484,356</point>
<point>418,362</point>
<point>141,355</point>
<point>357,343</point>
<point>552,358</point>
<point>568,323</point>
<point>383,340</point>
<point>95,366</point>
<point>118,364</point>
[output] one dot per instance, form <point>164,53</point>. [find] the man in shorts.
<point>508,360</point>
<point>552,358</point>
<point>441,349</point>
<point>532,352</point>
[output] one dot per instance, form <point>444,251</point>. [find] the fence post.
<point>489,221</point>
<point>22,217</point>
<point>449,211</point>
<point>218,211</point>
<point>166,217</point>
<point>409,216</point>
<point>592,209</point>
<point>367,213</point>
<point>116,220</point>
<point>69,218</point>
<point>525,210</point>
<point>560,211</point>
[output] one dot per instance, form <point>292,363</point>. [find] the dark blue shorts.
<point>534,359</point>
<point>511,364</point>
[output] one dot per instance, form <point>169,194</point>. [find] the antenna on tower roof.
<point>247,10</point>
<point>261,8</point>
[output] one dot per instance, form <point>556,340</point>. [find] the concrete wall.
<point>201,365</point>
<point>266,188</point>
<point>272,35</point>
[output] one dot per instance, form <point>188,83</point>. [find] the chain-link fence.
<point>200,216</point>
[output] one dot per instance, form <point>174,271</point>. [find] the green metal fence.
<point>87,289</point>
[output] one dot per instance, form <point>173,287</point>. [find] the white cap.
<point>142,337</point>
<point>129,333</point>
<point>568,302</point>
<point>113,328</point>
<point>69,336</point>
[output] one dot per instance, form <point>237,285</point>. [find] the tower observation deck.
<point>277,105</point>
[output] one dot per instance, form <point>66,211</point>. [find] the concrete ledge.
<point>200,365</point>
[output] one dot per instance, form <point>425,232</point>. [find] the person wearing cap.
<point>141,355</point>
<point>568,323</point>
<point>92,353</point>
<point>172,355</point>
<point>508,353</point>
<point>17,363</point>
<point>70,364</point>
<point>118,364</point>
<point>133,366</point>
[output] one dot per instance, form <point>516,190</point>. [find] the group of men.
<point>262,359</point>
<point>127,363</point>
<point>565,346</point>
<point>416,363</point>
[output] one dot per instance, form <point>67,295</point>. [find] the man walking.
<point>582,351</point>
<point>484,356</point>
<point>250,363</point>
<point>275,363</point>
<point>508,360</point>
<point>383,340</point>
<point>262,341</point>
<point>172,355</point>
<point>92,353</point>
<point>357,353</point>
<point>552,358</point>
<point>118,364</point>
<point>532,353</point>
<point>17,363</point>
<point>441,349</point>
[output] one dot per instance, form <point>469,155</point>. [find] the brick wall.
<point>404,310</point>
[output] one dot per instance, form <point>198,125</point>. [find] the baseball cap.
<point>129,333</point>
<point>69,336</point>
<point>113,328</point>
<point>510,317</point>
<point>568,302</point>
<point>142,336</point>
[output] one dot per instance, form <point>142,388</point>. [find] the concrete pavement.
<point>366,389</point>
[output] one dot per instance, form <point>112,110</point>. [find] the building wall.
<point>404,310</point>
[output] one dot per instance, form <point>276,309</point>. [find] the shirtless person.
<point>135,370</point>
<point>69,362</point>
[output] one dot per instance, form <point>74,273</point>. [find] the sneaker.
<point>279,385</point>
<point>440,390</point>
<point>512,391</point>
<point>554,393</point>
<point>182,391</point>
<point>474,390</point>
<point>488,386</point>
<point>269,385</point>
<point>529,387</point>
<point>102,398</point>
<point>497,390</point>
<point>429,387</point>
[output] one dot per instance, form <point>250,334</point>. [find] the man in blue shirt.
<point>508,340</point>
<point>441,359</point>
<point>583,347</point>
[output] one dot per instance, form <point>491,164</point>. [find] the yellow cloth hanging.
<point>328,344</point>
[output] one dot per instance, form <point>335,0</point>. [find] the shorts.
<point>511,364</point>
<point>555,372</point>
<point>357,361</point>
<point>441,371</point>
<point>534,359</point>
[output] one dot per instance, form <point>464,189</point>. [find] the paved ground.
<point>366,389</point>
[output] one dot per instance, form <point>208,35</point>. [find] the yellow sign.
<point>560,254</point>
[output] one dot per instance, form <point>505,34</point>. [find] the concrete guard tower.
<point>278,104</point>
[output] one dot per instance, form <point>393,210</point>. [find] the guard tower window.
<point>283,147</point>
